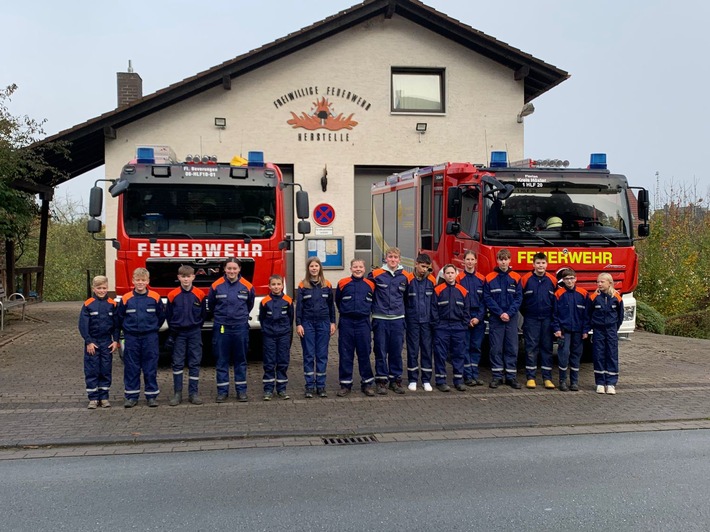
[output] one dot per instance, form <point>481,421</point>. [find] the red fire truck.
<point>580,218</point>
<point>199,213</point>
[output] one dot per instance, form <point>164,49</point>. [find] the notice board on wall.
<point>328,249</point>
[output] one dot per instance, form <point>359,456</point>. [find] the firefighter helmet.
<point>553,222</point>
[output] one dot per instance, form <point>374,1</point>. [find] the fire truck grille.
<point>163,273</point>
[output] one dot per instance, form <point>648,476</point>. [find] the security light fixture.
<point>527,110</point>
<point>421,129</point>
<point>220,123</point>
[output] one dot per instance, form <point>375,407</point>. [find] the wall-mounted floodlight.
<point>421,129</point>
<point>221,123</point>
<point>527,110</point>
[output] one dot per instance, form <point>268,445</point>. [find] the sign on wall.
<point>331,109</point>
<point>329,250</point>
<point>323,214</point>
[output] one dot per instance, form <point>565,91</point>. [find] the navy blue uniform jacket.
<point>276,314</point>
<point>98,319</point>
<point>185,309</point>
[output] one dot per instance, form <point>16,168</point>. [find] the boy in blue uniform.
<point>451,322</point>
<point>230,300</point>
<point>353,297</point>
<point>473,281</point>
<point>276,319</point>
<point>606,314</point>
<point>539,288</point>
<point>185,312</point>
<point>98,327</point>
<point>569,323</point>
<point>140,315</point>
<point>503,295</point>
<point>420,310</point>
<point>388,322</point>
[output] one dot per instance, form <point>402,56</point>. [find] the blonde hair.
<point>99,280</point>
<point>307,279</point>
<point>393,251</point>
<point>141,273</point>
<point>607,277</point>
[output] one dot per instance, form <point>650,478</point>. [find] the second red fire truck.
<point>581,218</point>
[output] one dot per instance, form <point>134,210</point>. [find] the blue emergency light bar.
<point>499,159</point>
<point>597,161</point>
<point>145,155</point>
<point>256,158</point>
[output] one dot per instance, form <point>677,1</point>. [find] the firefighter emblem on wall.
<point>322,116</point>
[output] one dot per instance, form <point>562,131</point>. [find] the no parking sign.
<point>323,214</point>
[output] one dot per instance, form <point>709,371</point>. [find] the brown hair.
<point>503,254</point>
<point>186,270</point>
<point>307,279</point>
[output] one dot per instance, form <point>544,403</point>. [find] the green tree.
<point>72,254</point>
<point>21,160</point>
<point>674,269</point>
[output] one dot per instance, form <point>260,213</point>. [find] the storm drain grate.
<point>352,440</point>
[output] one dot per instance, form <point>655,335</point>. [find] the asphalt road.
<point>631,481</point>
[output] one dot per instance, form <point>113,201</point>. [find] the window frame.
<point>424,71</point>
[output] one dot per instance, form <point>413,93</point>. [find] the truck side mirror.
<point>93,226</point>
<point>644,230</point>
<point>118,187</point>
<point>453,228</point>
<point>302,209</point>
<point>304,227</point>
<point>96,200</point>
<point>453,206</point>
<point>643,205</point>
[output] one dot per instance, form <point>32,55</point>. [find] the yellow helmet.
<point>553,222</point>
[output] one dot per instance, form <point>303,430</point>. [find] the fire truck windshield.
<point>195,211</point>
<point>577,213</point>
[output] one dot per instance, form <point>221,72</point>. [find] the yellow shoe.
<point>530,384</point>
<point>549,384</point>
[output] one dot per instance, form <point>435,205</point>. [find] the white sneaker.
<point>611,390</point>
<point>427,387</point>
<point>412,387</point>
<point>600,389</point>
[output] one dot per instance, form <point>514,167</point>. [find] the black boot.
<point>176,399</point>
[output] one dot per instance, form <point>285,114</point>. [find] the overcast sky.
<point>638,89</point>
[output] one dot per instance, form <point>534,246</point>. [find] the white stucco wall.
<point>482,103</point>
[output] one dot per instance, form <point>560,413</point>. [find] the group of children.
<point>441,323</point>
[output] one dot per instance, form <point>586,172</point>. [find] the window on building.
<point>418,90</point>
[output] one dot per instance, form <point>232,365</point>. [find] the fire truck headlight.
<point>629,313</point>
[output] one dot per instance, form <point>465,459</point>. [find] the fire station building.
<point>378,88</point>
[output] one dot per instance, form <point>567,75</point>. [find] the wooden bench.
<point>8,302</point>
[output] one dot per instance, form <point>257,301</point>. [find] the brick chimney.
<point>129,87</point>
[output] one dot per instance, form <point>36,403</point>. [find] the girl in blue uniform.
<point>315,324</point>
<point>606,314</point>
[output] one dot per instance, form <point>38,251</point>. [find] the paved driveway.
<point>664,383</point>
